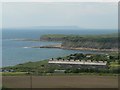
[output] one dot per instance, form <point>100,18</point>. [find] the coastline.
<point>25,39</point>
<point>59,46</point>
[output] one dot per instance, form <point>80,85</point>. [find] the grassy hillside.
<point>29,66</point>
<point>43,68</point>
<point>109,41</point>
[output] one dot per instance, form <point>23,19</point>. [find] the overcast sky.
<point>83,15</point>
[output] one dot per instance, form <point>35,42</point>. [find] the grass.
<point>33,64</point>
<point>28,66</point>
<point>57,74</point>
<point>114,64</point>
<point>42,68</point>
<point>14,73</point>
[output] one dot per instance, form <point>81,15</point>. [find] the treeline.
<point>92,57</point>
<point>76,41</point>
<point>95,70</point>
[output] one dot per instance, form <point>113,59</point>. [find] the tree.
<point>42,65</point>
<point>68,59</point>
<point>119,58</point>
<point>79,56</point>
<point>59,58</point>
<point>118,61</point>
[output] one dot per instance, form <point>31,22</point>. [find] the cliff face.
<point>76,41</point>
<point>89,44</point>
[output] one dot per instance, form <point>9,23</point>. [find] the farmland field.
<point>84,81</point>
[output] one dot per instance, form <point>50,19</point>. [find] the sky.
<point>90,15</point>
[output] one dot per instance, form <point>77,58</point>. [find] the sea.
<point>15,51</point>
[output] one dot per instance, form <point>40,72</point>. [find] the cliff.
<point>84,41</point>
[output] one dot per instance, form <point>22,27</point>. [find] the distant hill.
<point>105,41</point>
<point>56,27</point>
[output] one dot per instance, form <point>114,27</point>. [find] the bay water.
<point>16,51</point>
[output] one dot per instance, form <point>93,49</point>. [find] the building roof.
<point>78,63</point>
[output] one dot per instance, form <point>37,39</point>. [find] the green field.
<point>43,68</point>
<point>14,73</point>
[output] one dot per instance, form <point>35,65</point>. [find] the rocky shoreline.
<point>59,46</point>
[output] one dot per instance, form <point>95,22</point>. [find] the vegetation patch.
<point>44,68</point>
<point>84,41</point>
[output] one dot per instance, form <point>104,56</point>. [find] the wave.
<point>26,47</point>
